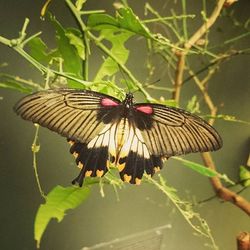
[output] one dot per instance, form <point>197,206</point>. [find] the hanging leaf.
<point>76,40</point>
<point>58,201</point>
<point>72,62</point>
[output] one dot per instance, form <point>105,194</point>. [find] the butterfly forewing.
<point>76,114</point>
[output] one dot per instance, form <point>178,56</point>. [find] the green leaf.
<point>76,40</point>
<point>58,201</point>
<point>102,21</point>
<point>79,4</point>
<point>129,21</point>
<point>126,20</point>
<point>198,167</point>
<point>39,50</point>
<point>118,49</point>
<point>204,170</point>
<point>72,62</point>
<point>12,82</point>
<point>193,105</point>
<point>245,176</point>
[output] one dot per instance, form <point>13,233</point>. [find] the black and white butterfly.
<point>103,130</point>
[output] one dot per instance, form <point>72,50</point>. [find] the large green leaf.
<point>118,49</point>
<point>76,40</point>
<point>128,20</point>
<point>68,48</point>
<point>125,19</point>
<point>58,201</point>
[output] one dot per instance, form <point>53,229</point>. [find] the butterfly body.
<point>104,131</point>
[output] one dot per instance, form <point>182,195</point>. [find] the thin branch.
<point>35,149</point>
<point>181,55</point>
<point>223,192</point>
<point>206,26</point>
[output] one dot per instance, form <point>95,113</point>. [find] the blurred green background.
<point>139,208</point>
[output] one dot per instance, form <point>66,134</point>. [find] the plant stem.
<point>106,50</point>
<point>35,149</point>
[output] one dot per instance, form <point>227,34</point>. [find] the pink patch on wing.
<point>145,109</point>
<point>108,102</point>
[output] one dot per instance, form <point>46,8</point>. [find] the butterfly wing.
<point>134,158</point>
<point>76,114</point>
<point>171,131</point>
<point>85,117</point>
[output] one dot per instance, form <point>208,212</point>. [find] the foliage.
<point>68,65</point>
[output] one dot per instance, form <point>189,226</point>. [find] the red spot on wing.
<point>108,102</point>
<point>145,109</point>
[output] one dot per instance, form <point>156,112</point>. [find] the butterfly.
<point>104,131</point>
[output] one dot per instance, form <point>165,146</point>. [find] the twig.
<point>181,55</point>
<point>206,26</point>
<point>35,148</point>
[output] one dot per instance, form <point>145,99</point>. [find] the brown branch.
<point>179,75</point>
<point>223,192</point>
<point>243,241</point>
<point>181,55</point>
<point>206,26</point>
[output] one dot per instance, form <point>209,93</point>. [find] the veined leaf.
<point>58,201</point>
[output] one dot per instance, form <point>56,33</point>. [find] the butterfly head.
<point>128,101</point>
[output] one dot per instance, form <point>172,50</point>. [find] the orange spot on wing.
<point>137,181</point>
<point>127,178</point>
<point>99,173</point>
<point>88,173</point>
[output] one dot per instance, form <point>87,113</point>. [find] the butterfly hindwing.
<point>134,158</point>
